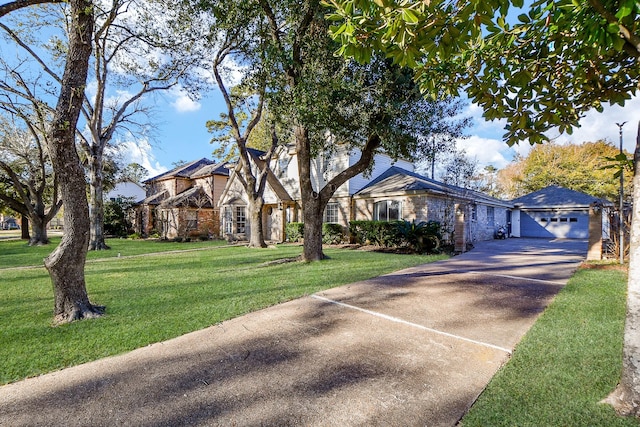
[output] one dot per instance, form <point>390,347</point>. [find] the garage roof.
<point>555,196</point>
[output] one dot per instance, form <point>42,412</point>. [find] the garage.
<point>554,212</point>
<point>570,224</point>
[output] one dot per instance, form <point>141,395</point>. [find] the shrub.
<point>115,212</point>
<point>419,237</point>
<point>381,233</point>
<point>135,236</point>
<point>294,231</point>
<point>332,233</point>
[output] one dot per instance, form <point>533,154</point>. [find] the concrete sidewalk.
<point>411,348</point>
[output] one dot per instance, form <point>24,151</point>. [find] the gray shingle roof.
<point>194,169</point>
<point>555,196</point>
<point>397,180</point>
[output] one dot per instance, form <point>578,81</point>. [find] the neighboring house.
<point>389,191</point>
<point>127,189</point>
<point>558,212</point>
<point>402,194</point>
<point>183,201</point>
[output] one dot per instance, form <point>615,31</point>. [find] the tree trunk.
<point>256,237</point>
<point>626,397</point>
<point>312,207</point>
<point>24,228</point>
<point>312,215</point>
<point>96,204</point>
<point>66,263</point>
<point>39,227</point>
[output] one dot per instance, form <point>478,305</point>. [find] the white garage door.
<point>568,224</point>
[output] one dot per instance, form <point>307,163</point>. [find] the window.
<point>573,219</point>
<point>331,213</point>
<point>563,219</point>
<point>387,210</point>
<point>192,220</point>
<point>490,216</point>
<point>241,219</point>
<point>474,212</point>
<point>554,219</point>
<point>228,220</point>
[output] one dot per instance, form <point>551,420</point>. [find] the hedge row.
<point>419,237</point>
<point>331,233</point>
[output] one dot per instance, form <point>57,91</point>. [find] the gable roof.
<point>395,181</point>
<point>273,181</point>
<point>188,198</point>
<point>194,169</point>
<point>555,196</point>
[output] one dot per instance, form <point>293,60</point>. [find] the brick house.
<point>183,201</point>
<point>391,190</point>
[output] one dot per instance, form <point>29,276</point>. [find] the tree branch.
<point>7,8</point>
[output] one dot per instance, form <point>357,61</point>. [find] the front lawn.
<point>161,296</point>
<point>566,364</point>
<point>16,253</point>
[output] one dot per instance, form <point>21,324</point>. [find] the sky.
<point>181,134</point>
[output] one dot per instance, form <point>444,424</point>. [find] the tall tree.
<point>66,263</point>
<point>133,49</point>
<point>580,167</point>
<point>460,170</point>
<point>137,50</point>
<point>331,105</point>
<point>239,38</point>
<point>25,166</point>
<point>561,59</point>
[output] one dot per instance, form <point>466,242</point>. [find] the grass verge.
<point>566,364</point>
<point>17,253</point>
<point>161,296</point>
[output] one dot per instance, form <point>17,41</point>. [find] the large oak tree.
<point>559,59</point>
<point>329,104</point>
<point>66,263</point>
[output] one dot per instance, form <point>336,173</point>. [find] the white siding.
<point>381,164</point>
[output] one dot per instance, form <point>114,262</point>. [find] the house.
<point>127,189</point>
<point>403,194</point>
<point>556,212</point>
<point>183,201</point>
<point>390,190</point>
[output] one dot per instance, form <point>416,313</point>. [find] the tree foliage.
<point>580,167</point>
<point>31,188</point>
<point>587,51</point>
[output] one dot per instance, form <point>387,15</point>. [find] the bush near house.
<point>332,234</point>
<point>116,221</point>
<point>294,231</point>
<point>418,236</point>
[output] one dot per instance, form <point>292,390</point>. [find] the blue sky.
<point>181,133</point>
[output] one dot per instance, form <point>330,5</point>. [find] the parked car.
<point>10,224</point>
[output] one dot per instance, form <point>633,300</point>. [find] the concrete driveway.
<point>411,348</point>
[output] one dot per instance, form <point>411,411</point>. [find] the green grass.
<point>161,296</point>
<point>566,364</point>
<point>16,253</point>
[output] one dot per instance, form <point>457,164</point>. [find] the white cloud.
<point>184,104</point>
<point>141,152</point>
<point>486,151</point>
<point>596,126</point>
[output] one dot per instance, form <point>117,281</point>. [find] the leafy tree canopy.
<point>580,167</point>
<point>511,61</point>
